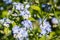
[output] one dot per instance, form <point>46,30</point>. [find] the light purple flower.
<point>25,14</point>
<point>27,24</point>
<point>15,29</point>
<point>19,33</point>
<point>7,1</point>
<point>18,6</point>
<point>54,21</point>
<point>45,27</point>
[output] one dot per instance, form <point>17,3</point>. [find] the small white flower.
<point>35,15</point>
<point>6,24</point>
<point>55,1</point>
<point>27,6</point>
<point>14,3</point>
<point>10,11</point>
<point>8,20</point>
<point>1,21</point>
<point>54,21</point>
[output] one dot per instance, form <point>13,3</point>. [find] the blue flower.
<point>18,6</point>
<point>19,33</point>
<point>45,27</point>
<point>4,20</point>
<point>54,21</point>
<point>15,29</point>
<point>6,24</point>
<point>7,1</point>
<point>46,7</point>
<point>1,8</point>
<point>25,14</point>
<point>40,21</point>
<point>43,32</point>
<point>27,24</point>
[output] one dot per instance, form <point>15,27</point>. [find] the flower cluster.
<point>27,21</point>
<point>44,26</point>
<point>23,9</point>
<point>18,6</point>
<point>7,1</point>
<point>27,24</point>
<point>25,14</point>
<point>20,33</point>
<point>5,22</point>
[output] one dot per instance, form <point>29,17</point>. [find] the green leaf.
<point>37,8</point>
<point>43,37</point>
<point>31,19</point>
<point>6,31</point>
<point>13,24</point>
<point>4,14</point>
<point>52,34</point>
<point>58,31</point>
<point>37,1</point>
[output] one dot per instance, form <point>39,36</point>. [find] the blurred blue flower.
<point>18,6</point>
<point>1,8</point>
<point>2,20</point>
<point>43,32</point>
<point>40,21</point>
<point>14,3</point>
<point>5,22</point>
<point>27,24</point>
<point>7,1</point>
<point>15,29</point>
<point>54,21</point>
<point>45,27</point>
<point>25,14</point>
<point>19,33</point>
<point>44,5</point>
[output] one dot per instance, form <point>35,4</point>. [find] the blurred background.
<point>29,19</point>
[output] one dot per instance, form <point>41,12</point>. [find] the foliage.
<point>36,19</point>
